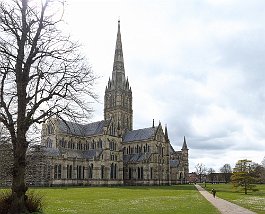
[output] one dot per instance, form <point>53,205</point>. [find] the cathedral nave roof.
<point>140,134</point>
<point>89,129</point>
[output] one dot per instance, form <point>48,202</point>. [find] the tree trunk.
<point>18,185</point>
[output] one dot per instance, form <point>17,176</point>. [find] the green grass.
<point>183,199</point>
<point>254,201</point>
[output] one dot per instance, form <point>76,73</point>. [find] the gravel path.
<point>225,207</point>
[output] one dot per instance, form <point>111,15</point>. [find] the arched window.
<point>100,144</point>
<point>130,173</point>
<point>57,171</point>
<point>78,172</point>
<point>49,143</point>
<point>91,170</point>
<point>50,129</point>
<point>123,151</point>
<point>102,172</point>
<point>112,171</point>
<point>70,171</point>
<point>115,171</point>
<point>55,176</point>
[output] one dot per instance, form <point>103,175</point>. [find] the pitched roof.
<point>54,152</point>
<point>82,130</point>
<point>71,153</point>
<point>174,163</point>
<point>89,154</point>
<point>136,157</point>
<point>140,134</point>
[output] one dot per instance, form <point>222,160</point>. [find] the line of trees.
<point>210,175</point>
<point>245,174</point>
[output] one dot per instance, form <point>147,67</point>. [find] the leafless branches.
<point>42,74</point>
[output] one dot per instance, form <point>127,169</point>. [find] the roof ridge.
<point>144,128</point>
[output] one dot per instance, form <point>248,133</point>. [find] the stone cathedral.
<point>110,152</point>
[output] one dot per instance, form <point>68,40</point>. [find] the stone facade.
<point>110,152</point>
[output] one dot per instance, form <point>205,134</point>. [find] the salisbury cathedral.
<point>110,152</point>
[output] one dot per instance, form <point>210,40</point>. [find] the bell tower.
<point>118,94</point>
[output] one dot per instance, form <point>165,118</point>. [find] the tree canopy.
<point>227,171</point>
<point>201,170</point>
<point>243,175</point>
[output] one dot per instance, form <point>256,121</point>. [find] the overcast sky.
<point>195,65</point>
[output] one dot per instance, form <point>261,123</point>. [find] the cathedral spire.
<point>118,95</point>
<point>118,73</point>
<point>166,133</point>
<point>184,146</point>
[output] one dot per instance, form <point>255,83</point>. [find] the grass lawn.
<point>254,201</point>
<point>183,199</point>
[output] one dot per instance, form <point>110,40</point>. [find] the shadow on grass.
<point>163,188</point>
<point>232,190</point>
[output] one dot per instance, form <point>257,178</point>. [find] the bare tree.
<point>263,162</point>
<point>200,170</point>
<point>42,74</point>
<point>227,172</point>
<point>210,173</point>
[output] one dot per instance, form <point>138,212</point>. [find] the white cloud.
<point>196,66</point>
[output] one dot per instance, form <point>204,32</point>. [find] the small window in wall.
<point>151,173</point>
<point>112,171</point>
<point>124,149</point>
<point>90,171</point>
<point>69,171</point>
<point>50,129</point>
<point>102,172</point>
<point>115,171</point>
<point>100,144</point>
<point>130,173</point>
<point>49,143</point>
<point>57,171</point>
<point>79,172</point>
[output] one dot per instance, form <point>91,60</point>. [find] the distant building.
<point>219,177</point>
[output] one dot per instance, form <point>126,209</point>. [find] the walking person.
<point>214,192</point>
